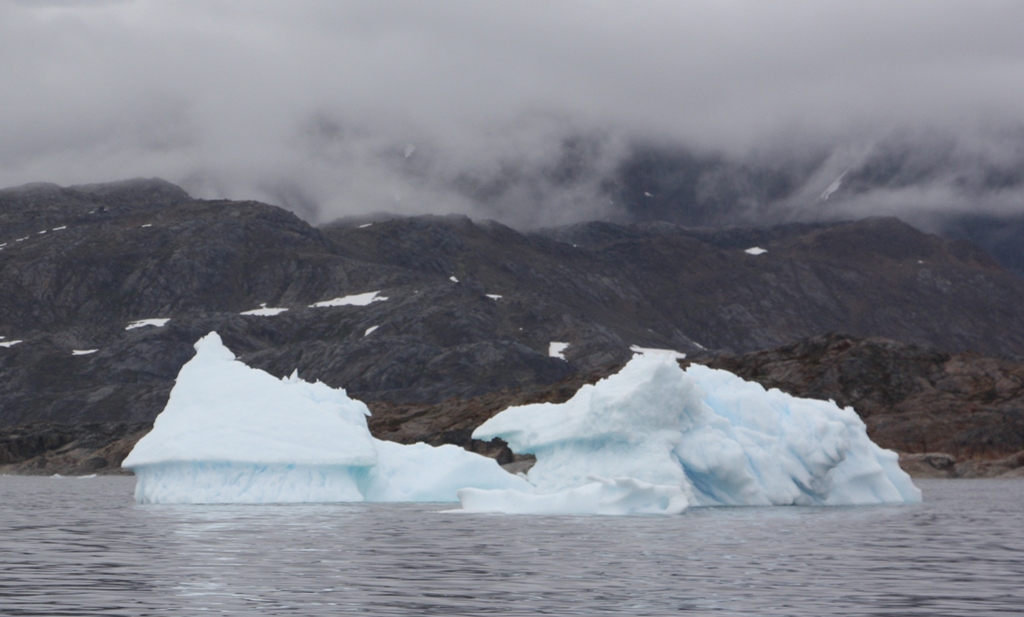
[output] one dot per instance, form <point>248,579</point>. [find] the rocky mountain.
<point>105,288</point>
<point>1000,236</point>
<point>955,189</point>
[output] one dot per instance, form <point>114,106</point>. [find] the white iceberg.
<point>234,434</point>
<point>664,438</point>
<point>652,439</point>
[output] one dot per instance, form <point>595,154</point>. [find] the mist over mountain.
<point>937,184</point>
<point>534,114</point>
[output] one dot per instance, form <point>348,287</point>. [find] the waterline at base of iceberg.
<point>615,496</point>
<point>203,482</point>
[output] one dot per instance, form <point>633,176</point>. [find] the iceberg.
<point>651,439</point>
<point>234,434</point>
<point>654,438</point>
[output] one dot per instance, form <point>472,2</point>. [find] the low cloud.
<point>532,112</point>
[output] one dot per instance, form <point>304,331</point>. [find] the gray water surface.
<point>72,546</point>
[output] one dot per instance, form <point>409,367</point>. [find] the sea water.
<point>71,546</point>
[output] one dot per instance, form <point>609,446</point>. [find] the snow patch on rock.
<point>263,311</point>
<point>362,299</point>
<point>655,351</point>
<point>159,322</point>
<point>557,350</point>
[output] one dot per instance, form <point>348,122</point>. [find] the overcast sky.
<point>334,108</point>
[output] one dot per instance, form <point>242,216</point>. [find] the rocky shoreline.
<point>942,465</point>
<point>29,451</point>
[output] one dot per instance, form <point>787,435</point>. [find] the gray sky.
<point>334,108</point>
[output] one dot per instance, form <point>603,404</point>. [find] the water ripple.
<point>83,547</point>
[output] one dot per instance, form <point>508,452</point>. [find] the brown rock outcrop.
<point>913,399</point>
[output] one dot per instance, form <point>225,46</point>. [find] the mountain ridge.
<point>471,307</point>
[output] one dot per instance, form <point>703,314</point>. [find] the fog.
<point>532,112</point>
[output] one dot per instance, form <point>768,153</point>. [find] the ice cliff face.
<point>702,433</point>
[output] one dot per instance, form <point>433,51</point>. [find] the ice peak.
<point>211,346</point>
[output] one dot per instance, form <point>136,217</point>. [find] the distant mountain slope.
<point>471,307</point>
<point>936,181</point>
<point>1001,236</point>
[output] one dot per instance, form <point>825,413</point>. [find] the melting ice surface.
<point>656,439</point>
<point>234,434</point>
